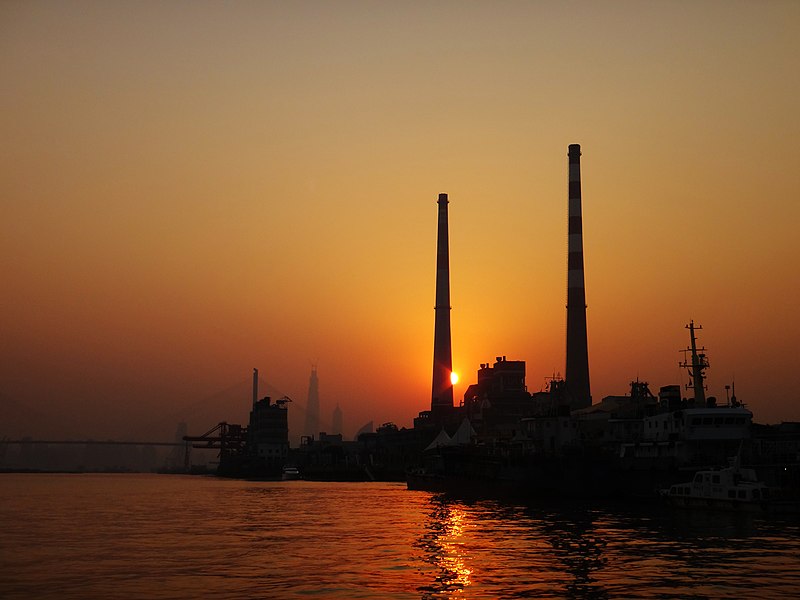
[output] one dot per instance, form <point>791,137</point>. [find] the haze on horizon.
<point>189,190</point>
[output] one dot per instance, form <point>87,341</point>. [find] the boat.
<point>732,488</point>
<point>290,473</point>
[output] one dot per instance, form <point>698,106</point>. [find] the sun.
<point>454,378</point>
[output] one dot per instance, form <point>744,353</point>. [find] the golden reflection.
<point>444,549</point>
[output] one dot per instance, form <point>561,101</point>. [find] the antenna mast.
<point>697,367</point>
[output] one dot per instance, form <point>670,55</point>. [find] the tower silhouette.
<point>312,407</point>
<point>442,392</point>
<point>577,371</point>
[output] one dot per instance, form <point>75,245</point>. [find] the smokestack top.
<point>574,152</point>
<point>442,198</point>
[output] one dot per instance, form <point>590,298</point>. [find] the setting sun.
<point>454,378</point>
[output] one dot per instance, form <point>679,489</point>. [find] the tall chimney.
<point>442,395</point>
<point>577,375</point>
<point>255,386</point>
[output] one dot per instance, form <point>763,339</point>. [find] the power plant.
<point>504,438</point>
<point>501,436</point>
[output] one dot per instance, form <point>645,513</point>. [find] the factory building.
<point>268,433</point>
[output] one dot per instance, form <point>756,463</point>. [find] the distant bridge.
<point>95,442</point>
<point>177,448</point>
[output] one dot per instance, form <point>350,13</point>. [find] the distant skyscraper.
<point>337,420</point>
<point>312,408</point>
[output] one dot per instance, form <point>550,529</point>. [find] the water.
<point>162,537</point>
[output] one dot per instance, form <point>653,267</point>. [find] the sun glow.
<point>454,378</point>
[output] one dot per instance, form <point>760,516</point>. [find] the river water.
<point>171,536</point>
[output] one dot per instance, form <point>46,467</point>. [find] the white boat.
<point>290,473</point>
<point>731,488</point>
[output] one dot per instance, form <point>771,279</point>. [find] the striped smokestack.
<point>442,394</point>
<point>577,375</point>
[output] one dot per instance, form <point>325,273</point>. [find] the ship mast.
<point>697,367</point>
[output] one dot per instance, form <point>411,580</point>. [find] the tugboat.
<point>732,488</point>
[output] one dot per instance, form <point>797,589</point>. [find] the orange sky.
<point>189,190</point>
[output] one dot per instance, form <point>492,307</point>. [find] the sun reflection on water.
<point>444,548</point>
<point>452,558</point>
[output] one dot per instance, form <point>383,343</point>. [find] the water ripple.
<point>171,537</point>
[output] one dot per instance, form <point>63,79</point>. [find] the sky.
<point>190,190</point>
